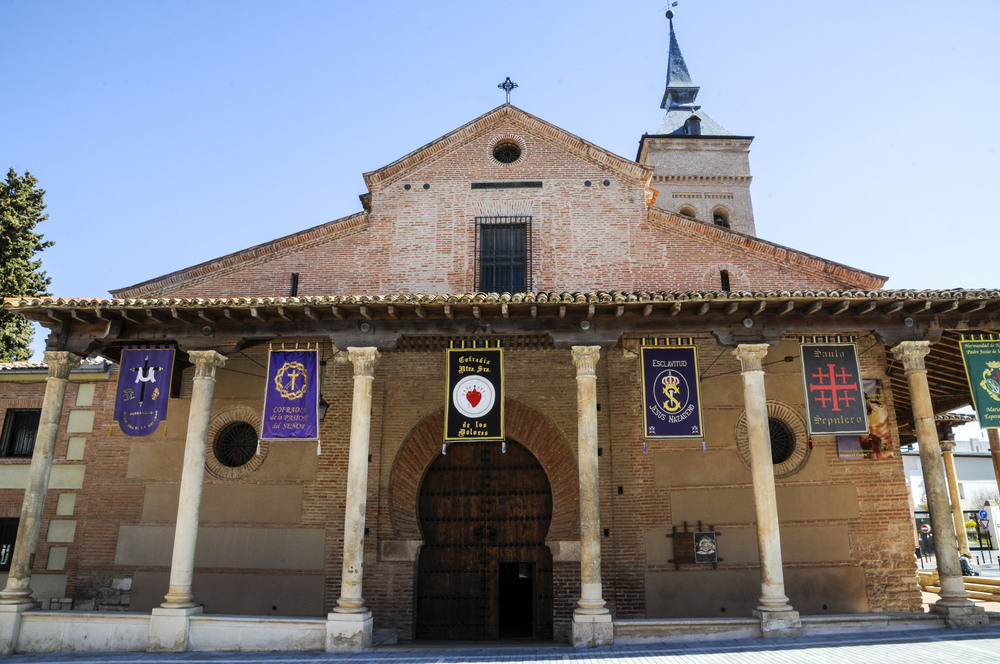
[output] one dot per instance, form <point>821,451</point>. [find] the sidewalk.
<point>935,645</point>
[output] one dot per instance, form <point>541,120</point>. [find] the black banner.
<point>835,400</point>
<point>475,395</point>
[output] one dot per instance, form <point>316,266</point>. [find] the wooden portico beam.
<point>663,313</point>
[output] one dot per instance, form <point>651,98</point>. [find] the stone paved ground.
<point>914,647</point>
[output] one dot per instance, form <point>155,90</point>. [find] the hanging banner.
<point>877,443</point>
<point>671,397</point>
<point>982,368</point>
<point>835,403</point>
<point>143,389</point>
<point>475,395</point>
<point>291,395</point>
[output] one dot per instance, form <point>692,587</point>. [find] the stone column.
<point>349,626</point>
<point>18,590</point>
<point>955,604</point>
<point>948,451</point>
<point>169,626</point>
<point>591,620</point>
<point>994,436</point>
<point>777,616</point>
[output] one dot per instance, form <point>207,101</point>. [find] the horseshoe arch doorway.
<point>484,571</point>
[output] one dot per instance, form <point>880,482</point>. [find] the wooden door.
<point>484,571</point>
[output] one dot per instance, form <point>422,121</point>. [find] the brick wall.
<point>419,236</point>
<point>409,390</point>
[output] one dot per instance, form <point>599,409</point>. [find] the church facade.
<point>507,233</point>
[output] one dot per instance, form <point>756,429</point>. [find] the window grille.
<point>503,254</point>
<point>8,535</point>
<point>19,429</point>
<point>782,440</point>
<point>235,444</point>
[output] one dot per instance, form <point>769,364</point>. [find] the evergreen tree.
<point>21,207</point>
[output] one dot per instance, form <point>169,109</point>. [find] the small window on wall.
<point>688,211</point>
<point>19,428</point>
<point>8,535</point>
<point>503,254</point>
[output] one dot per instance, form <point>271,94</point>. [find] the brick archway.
<point>523,424</point>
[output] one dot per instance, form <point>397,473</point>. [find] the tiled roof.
<point>31,366</point>
<point>601,297</point>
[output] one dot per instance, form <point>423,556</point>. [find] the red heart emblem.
<point>473,396</point>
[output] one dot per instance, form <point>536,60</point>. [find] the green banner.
<point>981,355</point>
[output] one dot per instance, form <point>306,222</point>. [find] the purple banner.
<point>671,401</point>
<point>291,396</point>
<point>143,389</point>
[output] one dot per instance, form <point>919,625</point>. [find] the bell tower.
<point>702,170</point>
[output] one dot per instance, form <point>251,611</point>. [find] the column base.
<point>170,629</point>
<point>960,614</point>
<point>591,630</point>
<point>10,625</point>
<point>779,624</point>
<point>348,632</point>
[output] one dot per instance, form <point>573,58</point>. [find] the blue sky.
<point>169,133</point>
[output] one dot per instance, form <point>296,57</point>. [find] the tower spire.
<point>684,116</point>
<point>680,90</point>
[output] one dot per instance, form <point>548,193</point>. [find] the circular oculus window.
<point>235,444</point>
<point>507,151</point>
<point>232,454</point>
<point>789,440</point>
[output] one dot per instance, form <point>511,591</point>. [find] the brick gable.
<point>591,229</point>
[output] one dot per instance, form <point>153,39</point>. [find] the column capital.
<point>364,360</point>
<point>585,358</point>
<point>751,356</point>
<point>912,354</point>
<point>206,362</point>
<point>61,362</point>
<point>947,445</point>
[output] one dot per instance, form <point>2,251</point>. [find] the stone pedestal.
<point>170,629</point>
<point>10,625</point>
<point>592,630</point>
<point>348,632</point>
<point>779,624</point>
<point>960,614</point>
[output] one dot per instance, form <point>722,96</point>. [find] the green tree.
<point>21,275</point>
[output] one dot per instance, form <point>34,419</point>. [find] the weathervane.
<point>507,86</point>
<point>670,13</point>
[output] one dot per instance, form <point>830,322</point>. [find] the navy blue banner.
<point>835,398</point>
<point>475,395</point>
<point>143,389</point>
<point>671,395</point>
<point>291,395</point>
